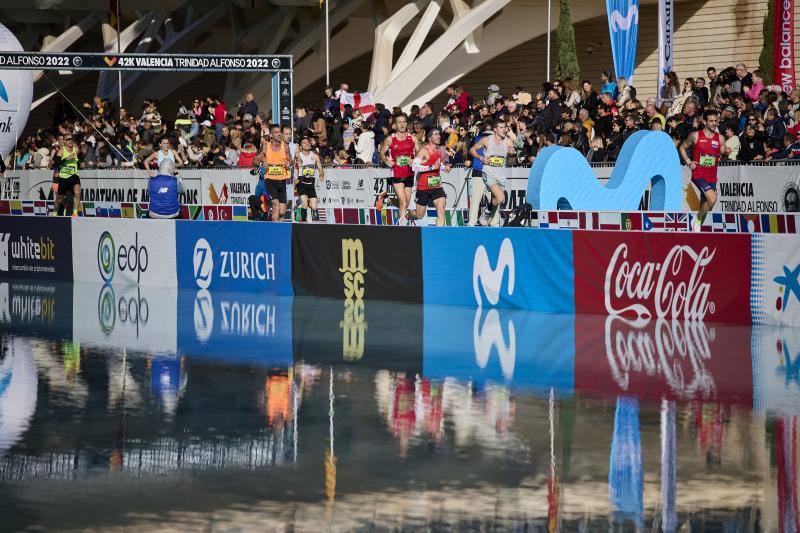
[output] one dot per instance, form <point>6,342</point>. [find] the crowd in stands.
<point>758,122</point>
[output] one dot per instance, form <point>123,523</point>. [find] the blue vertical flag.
<point>623,26</point>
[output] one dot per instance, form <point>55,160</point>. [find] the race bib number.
<point>434,181</point>
<point>707,160</point>
<point>403,161</point>
<point>275,170</point>
<point>497,161</point>
<point>308,172</point>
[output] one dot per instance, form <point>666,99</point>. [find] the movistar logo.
<point>483,275</point>
<point>489,336</point>
<point>618,22</point>
<point>3,92</point>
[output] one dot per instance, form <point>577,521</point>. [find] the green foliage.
<point>567,66</point>
<point>765,59</point>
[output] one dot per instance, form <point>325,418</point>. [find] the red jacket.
<point>219,113</point>
<point>462,102</point>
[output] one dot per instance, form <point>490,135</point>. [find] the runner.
<point>397,152</point>
<point>65,177</point>
<point>277,162</point>
<point>428,165</point>
<point>307,164</point>
<point>708,146</point>
<point>165,151</point>
<point>496,149</point>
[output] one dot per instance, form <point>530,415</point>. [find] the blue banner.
<point>623,26</point>
<point>508,346</point>
<point>499,267</point>
<point>234,256</point>
<point>235,326</point>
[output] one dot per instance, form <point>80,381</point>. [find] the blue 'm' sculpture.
<point>562,179</point>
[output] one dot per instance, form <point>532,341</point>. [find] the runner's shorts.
<point>65,185</point>
<point>494,176</point>
<point>304,189</point>
<point>277,190</point>
<point>408,182</point>
<point>427,197</point>
<point>703,186</point>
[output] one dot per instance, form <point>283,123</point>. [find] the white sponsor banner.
<point>227,187</point>
<point>124,251</point>
<point>119,185</point>
<point>750,189</point>
<point>666,28</point>
<point>119,315</point>
<point>775,283</point>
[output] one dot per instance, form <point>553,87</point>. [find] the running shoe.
<point>697,225</point>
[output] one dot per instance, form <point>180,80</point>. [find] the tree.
<point>567,66</point>
<point>765,59</point>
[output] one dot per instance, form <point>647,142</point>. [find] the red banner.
<point>783,45</point>
<point>643,276</point>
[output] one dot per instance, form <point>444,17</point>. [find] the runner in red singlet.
<point>708,146</point>
<point>429,164</point>
<point>397,152</point>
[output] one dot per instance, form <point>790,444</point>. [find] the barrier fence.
<point>636,276</point>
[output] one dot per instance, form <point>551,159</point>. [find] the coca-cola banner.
<point>682,276</point>
<point>663,358</point>
<point>783,45</point>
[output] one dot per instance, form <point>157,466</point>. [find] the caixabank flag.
<point>121,251</point>
<point>234,256</point>
<point>776,280</point>
<point>37,248</point>
<point>644,276</point>
<point>357,262</point>
<point>508,267</point>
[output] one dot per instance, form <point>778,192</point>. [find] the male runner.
<point>276,160</point>
<point>496,149</point>
<point>65,177</point>
<point>708,146</point>
<point>428,165</point>
<point>397,152</point>
<point>165,152</point>
<point>307,164</point>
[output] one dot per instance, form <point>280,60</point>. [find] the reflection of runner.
<point>307,164</point>
<point>707,147</point>
<point>496,149</point>
<point>428,166</point>
<point>398,152</point>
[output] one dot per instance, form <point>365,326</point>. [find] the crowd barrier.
<point>725,278</point>
<point>764,188</point>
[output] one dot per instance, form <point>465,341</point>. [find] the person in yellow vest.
<point>65,177</point>
<point>277,165</point>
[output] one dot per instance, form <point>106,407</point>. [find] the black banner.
<point>35,247</point>
<point>285,97</point>
<point>42,308</point>
<point>357,262</point>
<point>373,334</point>
<point>144,62</point>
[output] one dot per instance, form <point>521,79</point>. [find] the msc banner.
<point>665,275</point>
<point>508,267</point>
<point>38,248</point>
<point>357,262</point>
<point>234,256</point>
<point>122,251</point>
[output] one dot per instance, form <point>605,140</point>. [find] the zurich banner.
<point>499,267</point>
<point>623,26</point>
<point>234,256</point>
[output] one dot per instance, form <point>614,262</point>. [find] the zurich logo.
<point>3,92</point>
<point>203,263</point>
<point>483,275</point>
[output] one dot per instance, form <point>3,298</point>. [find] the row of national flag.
<point>590,220</point>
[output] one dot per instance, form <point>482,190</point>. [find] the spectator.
<point>790,149</point>
<point>732,143</point>
<point>589,98</point>
<point>249,106</point>
<point>608,85</point>
<point>364,146</point>
<point>220,112</point>
<point>756,85</point>
<point>672,89</point>
<point>165,190</point>
<point>701,92</point>
<point>623,92</point>
<point>494,94</point>
<point>572,96</point>
<point>631,126</point>
<point>552,112</point>
<point>753,147</point>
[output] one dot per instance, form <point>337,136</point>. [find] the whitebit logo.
<point>203,263</point>
<point>483,275</point>
<point>4,238</point>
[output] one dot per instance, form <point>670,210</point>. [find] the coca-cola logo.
<point>671,288</point>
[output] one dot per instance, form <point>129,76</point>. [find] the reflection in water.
<point>255,411</point>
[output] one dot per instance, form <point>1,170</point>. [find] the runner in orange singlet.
<point>277,163</point>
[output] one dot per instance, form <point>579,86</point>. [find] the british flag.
<point>675,221</point>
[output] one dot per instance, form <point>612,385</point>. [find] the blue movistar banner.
<point>623,27</point>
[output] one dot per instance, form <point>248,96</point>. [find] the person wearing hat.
<point>428,165</point>
<point>165,190</point>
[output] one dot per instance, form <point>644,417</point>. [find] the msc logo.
<point>4,238</point>
<point>788,284</point>
<point>483,275</point>
<point>133,258</point>
<point>353,324</point>
<point>203,263</point>
<point>617,22</point>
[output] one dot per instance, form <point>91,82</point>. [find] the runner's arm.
<point>319,166</point>
<point>150,159</point>
<point>685,145</point>
<point>417,165</point>
<point>288,157</point>
<point>473,151</point>
<point>383,153</point>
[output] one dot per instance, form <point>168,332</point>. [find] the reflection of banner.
<point>235,326</point>
<point>357,262</point>
<point>786,465</point>
<point>663,275</point>
<point>18,392</point>
<point>623,26</point>
<point>776,370</point>
<point>506,346</point>
<point>666,27</point>
<point>673,359</point>
<point>32,247</point>
<point>124,251</point>
<point>119,315</point>
<point>36,306</point>
<point>783,64</point>
<point>625,481</point>
<point>511,267</point>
